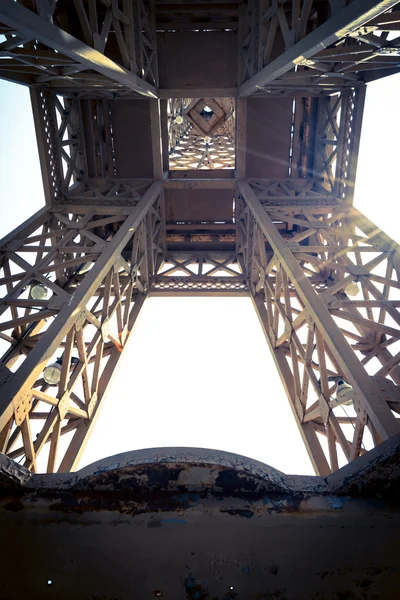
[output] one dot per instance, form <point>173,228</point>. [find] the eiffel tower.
<point>208,149</point>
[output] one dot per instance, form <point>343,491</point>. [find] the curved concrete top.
<point>171,469</point>
<point>194,469</point>
<point>200,469</point>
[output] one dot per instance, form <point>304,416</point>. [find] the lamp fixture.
<point>38,291</point>
<point>352,289</point>
<point>344,394</point>
<point>52,373</point>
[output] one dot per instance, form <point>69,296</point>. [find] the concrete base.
<point>201,525</point>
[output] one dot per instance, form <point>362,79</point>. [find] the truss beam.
<point>314,309</point>
<point>199,274</point>
<point>84,430</point>
<point>95,266</point>
<point>341,24</point>
<point>29,25</point>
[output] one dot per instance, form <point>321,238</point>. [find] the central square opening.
<point>201,133</point>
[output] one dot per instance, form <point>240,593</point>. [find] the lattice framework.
<point>97,264</point>
<point>293,243</point>
<point>302,262</point>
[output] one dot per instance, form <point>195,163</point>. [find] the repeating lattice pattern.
<point>365,50</point>
<point>189,148</point>
<point>184,284</point>
<point>292,192</point>
<point>329,263</point>
<point>123,31</point>
<point>199,273</point>
<point>72,284</point>
<point>51,158</point>
<point>118,192</point>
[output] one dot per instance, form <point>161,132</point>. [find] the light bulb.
<point>207,139</point>
<point>178,120</point>
<point>39,291</point>
<point>52,374</point>
<point>344,393</point>
<point>352,289</point>
<point>207,109</point>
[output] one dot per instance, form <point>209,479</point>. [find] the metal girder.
<point>49,164</point>
<point>335,144</point>
<point>96,266</point>
<point>300,263</point>
<point>61,144</point>
<point>199,184</point>
<point>83,431</point>
<point>31,26</point>
<point>197,93</point>
<point>348,157</point>
<point>307,432</point>
<point>338,26</point>
<point>156,140</point>
<point>241,132</point>
<point>199,274</point>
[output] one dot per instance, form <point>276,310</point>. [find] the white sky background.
<point>197,371</point>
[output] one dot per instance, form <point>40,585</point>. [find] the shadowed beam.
<point>156,141</point>
<point>199,184</point>
<point>31,26</point>
<point>167,93</point>
<point>338,26</point>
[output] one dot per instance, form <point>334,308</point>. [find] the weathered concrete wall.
<point>201,525</point>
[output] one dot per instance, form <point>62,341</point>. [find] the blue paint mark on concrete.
<point>336,502</point>
<point>186,499</point>
<point>107,468</point>
<point>182,499</point>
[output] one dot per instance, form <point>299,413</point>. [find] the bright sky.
<point>198,372</point>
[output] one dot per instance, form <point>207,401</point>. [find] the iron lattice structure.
<point>230,172</point>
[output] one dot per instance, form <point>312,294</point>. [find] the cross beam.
<point>341,24</point>
<point>31,26</point>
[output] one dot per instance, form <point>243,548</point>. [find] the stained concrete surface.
<point>182,523</point>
